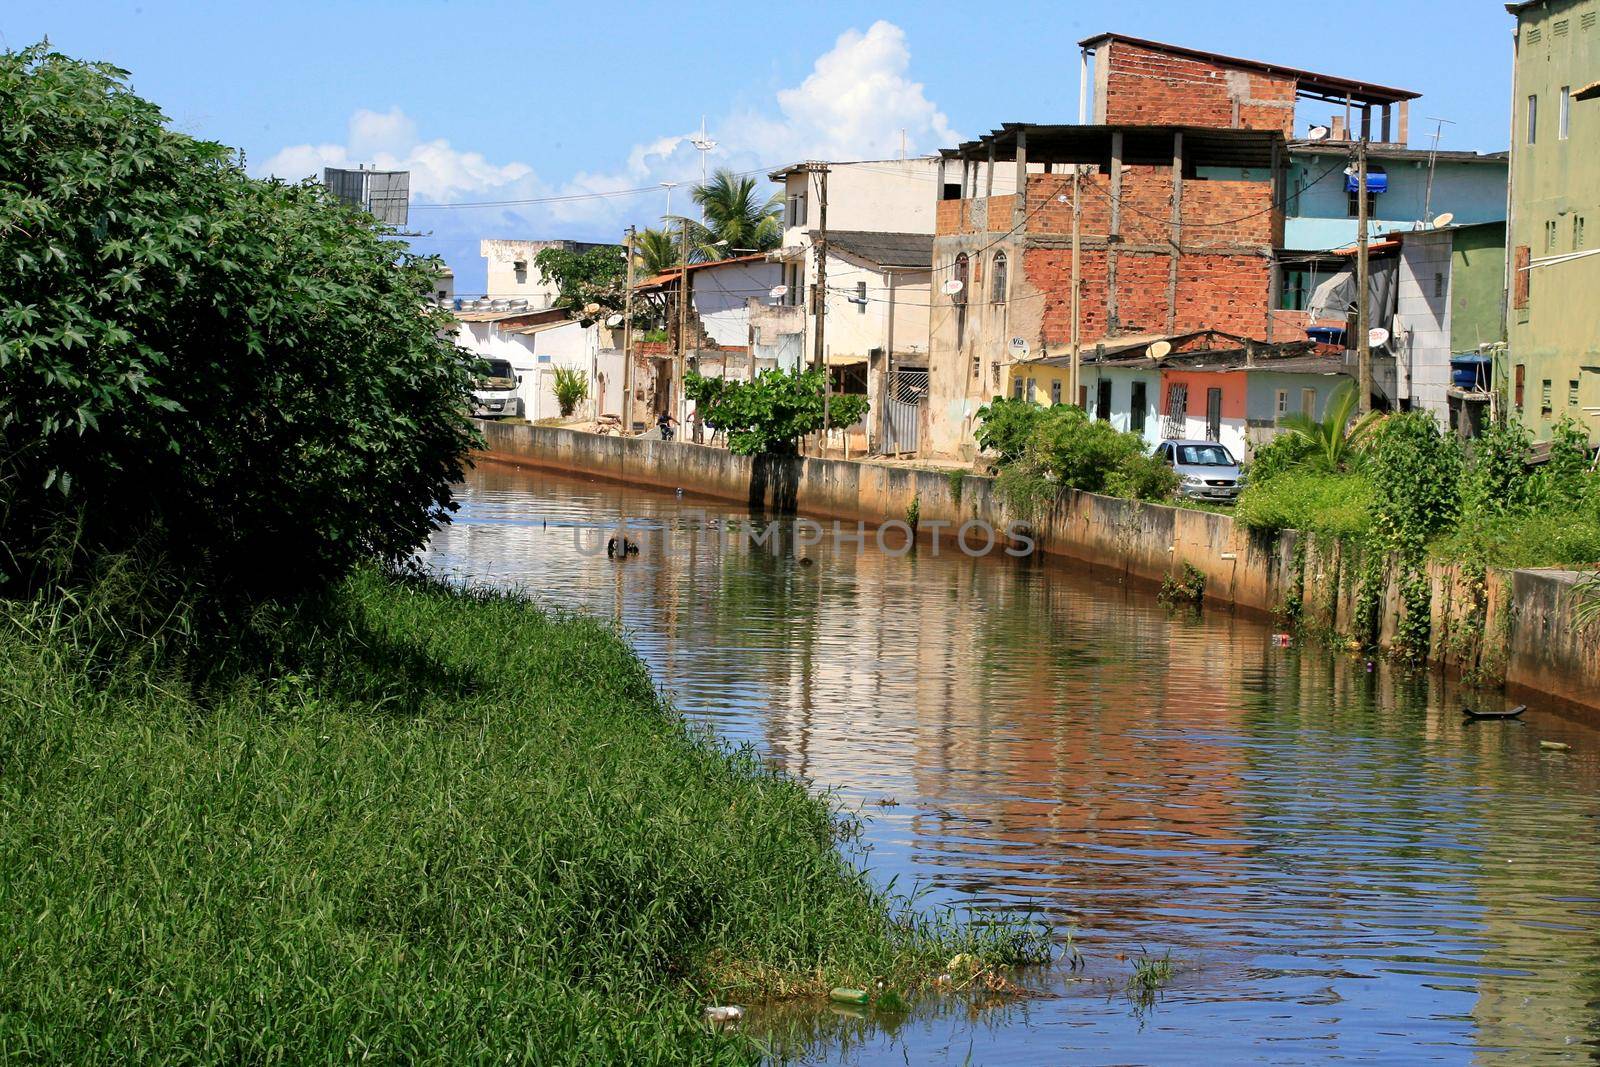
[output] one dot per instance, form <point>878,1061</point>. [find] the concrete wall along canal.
<point>1518,626</point>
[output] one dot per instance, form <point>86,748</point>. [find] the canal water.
<point>1339,867</point>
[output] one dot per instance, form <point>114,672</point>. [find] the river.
<point>1338,865</point>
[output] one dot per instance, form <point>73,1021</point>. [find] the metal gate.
<point>902,413</point>
<point>1177,406</point>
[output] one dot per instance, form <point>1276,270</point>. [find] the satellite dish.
<point>1377,337</point>
<point>615,320</point>
<point>778,291</point>
<point>1317,133</point>
<point>952,287</point>
<point>1441,221</point>
<point>1160,350</point>
<point>1063,198</point>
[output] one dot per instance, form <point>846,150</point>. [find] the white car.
<point>1206,470</point>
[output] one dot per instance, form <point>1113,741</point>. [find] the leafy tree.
<point>241,376</point>
<point>571,387</point>
<point>735,217</point>
<point>772,411</point>
<point>1334,438</point>
<point>591,284</point>
<point>1063,448</point>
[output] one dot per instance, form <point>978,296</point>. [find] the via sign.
<point>1019,348</point>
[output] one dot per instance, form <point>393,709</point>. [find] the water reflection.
<point>1344,867</point>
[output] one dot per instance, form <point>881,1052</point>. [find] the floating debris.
<point>724,1013</point>
<point>849,996</point>
<point>1555,746</point>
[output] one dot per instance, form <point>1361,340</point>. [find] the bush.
<point>1493,479</point>
<point>571,387</point>
<point>772,411</point>
<point>242,376</point>
<point>1284,452</point>
<point>1338,504</point>
<point>1416,476</point>
<point>1006,426</point>
<point>1552,538</point>
<point>1066,449</point>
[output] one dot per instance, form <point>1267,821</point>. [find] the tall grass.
<point>405,823</point>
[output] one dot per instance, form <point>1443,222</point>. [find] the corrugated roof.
<point>884,249</point>
<point>1323,84</point>
<point>538,327</point>
<point>670,276</point>
<point>1394,152</point>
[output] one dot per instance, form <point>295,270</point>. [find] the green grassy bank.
<point>406,823</point>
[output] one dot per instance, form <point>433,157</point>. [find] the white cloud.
<point>854,104</point>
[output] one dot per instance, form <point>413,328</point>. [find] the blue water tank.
<point>1470,371</point>
<point>1327,335</point>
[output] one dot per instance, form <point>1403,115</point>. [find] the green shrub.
<point>1006,426</point>
<point>1496,470</point>
<point>1338,504</point>
<point>1286,451</point>
<point>1416,476</point>
<point>1560,537</point>
<point>239,375</point>
<point>772,411</point>
<point>571,387</point>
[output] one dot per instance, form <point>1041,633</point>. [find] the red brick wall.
<point>1215,213</point>
<point>1222,291</point>
<point>1150,88</point>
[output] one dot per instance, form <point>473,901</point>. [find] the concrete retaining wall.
<point>1515,625</point>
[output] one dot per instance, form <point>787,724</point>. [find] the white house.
<point>535,343</point>
<point>513,275</point>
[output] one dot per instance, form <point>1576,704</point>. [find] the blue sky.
<point>517,101</point>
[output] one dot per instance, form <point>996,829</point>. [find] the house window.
<point>1533,119</point>
<point>1522,375</point>
<point>1102,401</point>
<point>1564,114</point>
<point>1033,391</point>
<point>791,283</point>
<point>1016,388</point>
<point>1055,391</point>
<point>1544,397</point>
<point>1353,204</point>
<point>977,369</point>
<point>1520,281</point>
<point>1281,407</point>
<point>861,298</point>
<point>1308,403</point>
<point>1550,236</point>
<point>1572,393</point>
<point>1577,233</point>
<point>1535,35</point>
<point>1136,408</point>
<point>1586,20</point>
<point>997,291</point>
<point>797,210</point>
<point>1561,27</point>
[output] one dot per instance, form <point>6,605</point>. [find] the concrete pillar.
<point>938,188</point>
<point>1405,122</point>
<point>988,178</point>
<point>1177,232</point>
<point>1020,215</point>
<point>1116,231</point>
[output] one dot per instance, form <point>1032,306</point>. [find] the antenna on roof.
<point>1433,161</point>
<point>705,144</point>
<point>1443,220</point>
<point>1317,133</point>
<point>1159,351</point>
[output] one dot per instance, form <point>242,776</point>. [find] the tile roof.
<point>884,249</point>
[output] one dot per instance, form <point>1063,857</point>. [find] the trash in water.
<point>1281,640</point>
<point>849,996</point>
<point>1555,746</point>
<point>725,1013</point>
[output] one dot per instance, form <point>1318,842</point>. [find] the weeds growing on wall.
<point>1043,450</point>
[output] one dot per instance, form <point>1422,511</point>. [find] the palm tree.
<point>655,252</point>
<point>1335,437</point>
<point>736,217</point>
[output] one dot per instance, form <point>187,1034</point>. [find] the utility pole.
<point>1363,348</point>
<point>1077,252</point>
<point>627,340</point>
<point>680,406</point>
<point>819,297</point>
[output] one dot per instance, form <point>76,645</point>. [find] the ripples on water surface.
<point>1343,868</point>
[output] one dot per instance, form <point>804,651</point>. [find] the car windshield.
<point>498,368</point>
<point>1204,456</point>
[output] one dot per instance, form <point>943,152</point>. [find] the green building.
<point>1553,320</point>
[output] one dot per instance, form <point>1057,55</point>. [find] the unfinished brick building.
<point>1175,192</point>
